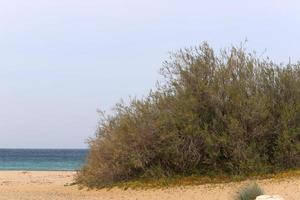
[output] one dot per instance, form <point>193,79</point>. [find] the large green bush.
<point>229,112</point>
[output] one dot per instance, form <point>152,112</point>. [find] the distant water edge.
<point>42,159</point>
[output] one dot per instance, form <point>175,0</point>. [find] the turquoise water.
<point>42,159</point>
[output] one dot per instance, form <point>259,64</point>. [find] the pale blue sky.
<point>63,59</point>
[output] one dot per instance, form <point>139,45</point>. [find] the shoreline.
<point>44,185</point>
<point>18,170</point>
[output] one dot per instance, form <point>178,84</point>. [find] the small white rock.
<point>269,197</point>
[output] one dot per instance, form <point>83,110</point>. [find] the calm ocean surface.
<point>42,159</point>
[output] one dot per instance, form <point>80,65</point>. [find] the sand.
<point>32,185</point>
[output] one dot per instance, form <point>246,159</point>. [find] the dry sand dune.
<point>16,185</point>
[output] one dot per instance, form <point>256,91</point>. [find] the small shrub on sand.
<point>230,113</point>
<point>249,192</point>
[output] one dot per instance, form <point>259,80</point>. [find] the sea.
<point>42,159</point>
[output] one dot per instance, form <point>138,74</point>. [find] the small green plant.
<point>249,192</point>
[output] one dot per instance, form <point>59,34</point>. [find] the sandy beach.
<point>34,185</point>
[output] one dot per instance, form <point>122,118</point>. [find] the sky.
<point>61,60</point>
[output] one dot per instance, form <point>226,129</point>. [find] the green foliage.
<point>231,113</point>
<point>250,192</point>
